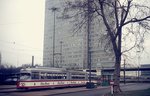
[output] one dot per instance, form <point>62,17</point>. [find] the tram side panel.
<point>44,80</point>
<point>77,79</point>
<point>50,79</point>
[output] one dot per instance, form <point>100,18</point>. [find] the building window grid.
<point>65,50</point>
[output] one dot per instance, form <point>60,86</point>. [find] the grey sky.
<point>22,32</point>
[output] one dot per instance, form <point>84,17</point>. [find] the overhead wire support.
<point>88,38</point>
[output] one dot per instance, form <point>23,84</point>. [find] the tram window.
<point>60,75</point>
<point>43,75</point>
<point>49,76</point>
<point>25,76</point>
<point>35,75</point>
<point>65,77</point>
<point>55,76</point>
<point>78,77</point>
<point>74,77</point>
<point>82,77</point>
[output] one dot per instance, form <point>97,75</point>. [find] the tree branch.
<point>116,15</point>
<point>134,20</point>
<point>126,13</point>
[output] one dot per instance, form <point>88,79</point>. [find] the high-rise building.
<point>64,47</point>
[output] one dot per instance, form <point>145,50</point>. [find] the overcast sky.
<point>22,32</point>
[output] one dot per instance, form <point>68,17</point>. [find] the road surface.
<point>79,91</point>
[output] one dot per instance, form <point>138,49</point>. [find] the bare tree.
<point>121,19</point>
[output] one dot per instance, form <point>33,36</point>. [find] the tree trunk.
<point>117,63</point>
<point>117,76</point>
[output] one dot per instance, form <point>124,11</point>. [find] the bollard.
<point>112,87</point>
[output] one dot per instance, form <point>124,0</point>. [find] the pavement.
<point>80,89</point>
<point>125,87</point>
<point>10,90</point>
<point>2,87</point>
<point>135,86</point>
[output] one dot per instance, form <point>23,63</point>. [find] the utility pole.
<point>54,9</point>
<point>89,84</point>
<point>88,31</point>
<point>124,74</point>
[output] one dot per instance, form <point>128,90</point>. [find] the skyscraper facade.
<point>64,47</point>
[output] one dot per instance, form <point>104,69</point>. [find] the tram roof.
<point>50,69</point>
<point>43,69</point>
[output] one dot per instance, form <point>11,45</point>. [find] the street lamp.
<point>61,52</point>
<point>54,9</point>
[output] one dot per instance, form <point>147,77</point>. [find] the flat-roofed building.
<point>70,49</point>
<point>145,73</point>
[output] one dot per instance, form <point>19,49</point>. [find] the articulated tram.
<point>52,77</point>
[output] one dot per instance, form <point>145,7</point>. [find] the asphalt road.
<point>80,91</point>
<point>53,92</point>
<point>94,92</point>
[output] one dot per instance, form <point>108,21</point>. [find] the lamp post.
<point>138,65</point>
<point>54,9</point>
<point>61,52</point>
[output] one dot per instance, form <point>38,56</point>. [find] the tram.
<point>52,78</point>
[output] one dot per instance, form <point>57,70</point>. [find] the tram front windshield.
<point>25,76</point>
